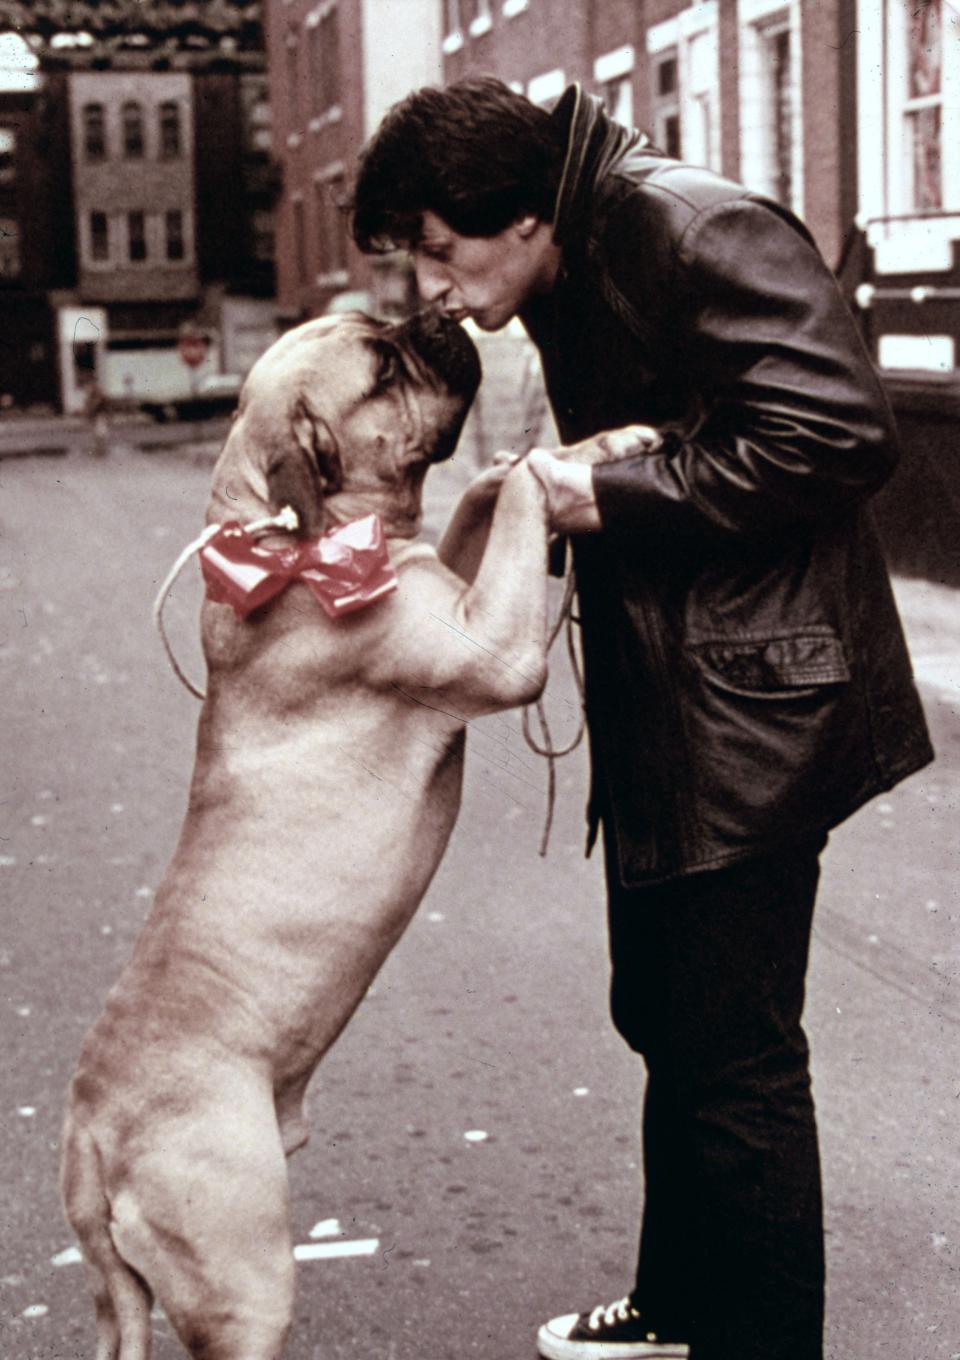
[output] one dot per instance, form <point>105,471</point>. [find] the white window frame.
<point>453,37</point>
<point>616,69</point>
<point>676,37</point>
<point>482,21</point>
<point>546,86</point>
<point>919,244</point>
<point>759,21</point>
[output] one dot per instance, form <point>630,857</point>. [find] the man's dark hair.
<point>476,153</point>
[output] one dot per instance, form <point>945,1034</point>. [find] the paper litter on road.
<point>327,1227</point>
<point>70,1256</point>
<point>36,1310</point>
<point>476,1136</point>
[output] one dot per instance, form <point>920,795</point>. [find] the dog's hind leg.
<point>122,1300</point>
<point>203,1214</point>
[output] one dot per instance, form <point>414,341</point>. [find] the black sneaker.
<point>614,1333</point>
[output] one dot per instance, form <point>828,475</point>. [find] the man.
<point>748,686</point>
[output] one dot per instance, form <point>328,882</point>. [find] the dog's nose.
<point>446,348</point>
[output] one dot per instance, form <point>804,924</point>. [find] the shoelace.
<point>622,1310</point>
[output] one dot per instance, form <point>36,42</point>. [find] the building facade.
<point>335,68</point>
<point>148,211</point>
<point>36,226</point>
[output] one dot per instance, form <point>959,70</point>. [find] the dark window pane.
<point>671,136</point>
<point>99,237</point>
<point>667,76</point>
<point>169,130</point>
<point>137,236</point>
<point>132,131</point>
<point>94,134</point>
<point>174,229</point>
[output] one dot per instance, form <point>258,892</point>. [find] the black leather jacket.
<point>747,678</point>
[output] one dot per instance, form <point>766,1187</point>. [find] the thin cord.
<point>547,749</point>
<point>287,519</point>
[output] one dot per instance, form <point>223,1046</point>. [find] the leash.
<point>564,621</point>
<point>287,519</point>
<point>533,395</point>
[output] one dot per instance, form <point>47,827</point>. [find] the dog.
<point>326,785</point>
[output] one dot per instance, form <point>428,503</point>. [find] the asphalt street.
<point>474,1159</point>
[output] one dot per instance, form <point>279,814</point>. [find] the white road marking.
<point>324,1251</point>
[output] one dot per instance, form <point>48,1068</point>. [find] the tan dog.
<point>314,734</point>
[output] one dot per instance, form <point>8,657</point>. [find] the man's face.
<point>488,278</point>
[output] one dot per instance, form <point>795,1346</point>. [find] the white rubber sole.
<point>553,1345</point>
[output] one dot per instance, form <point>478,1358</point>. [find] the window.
<point>99,236</point>
<point>9,248</point>
<point>169,130</point>
<point>908,139</point>
<point>329,31</point>
<point>331,229</point>
<point>264,244</point>
<point>258,124</point>
<point>132,122</point>
<point>481,20</point>
<point>452,26</point>
<point>698,122</point>
<point>136,237</point>
<point>300,240</point>
<point>923,106</point>
<point>666,103</point>
<point>173,226</point>
<point>293,79</point>
<point>771,114</point>
<point>94,132</point>
<point>618,97</point>
<point>613,73</point>
<point>779,102</point>
<point>8,155</point>
<point>451,18</point>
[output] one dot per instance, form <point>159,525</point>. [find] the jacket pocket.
<point>783,667</point>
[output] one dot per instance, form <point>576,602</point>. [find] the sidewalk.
<point>931,620</point>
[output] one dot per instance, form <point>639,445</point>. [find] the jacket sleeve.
<point>796,425</point>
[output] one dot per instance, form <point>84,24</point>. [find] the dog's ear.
<point>305,470</point>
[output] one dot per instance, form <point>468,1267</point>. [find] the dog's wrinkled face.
<point>349,408</point>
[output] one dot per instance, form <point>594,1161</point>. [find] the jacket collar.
<point>595,143</point>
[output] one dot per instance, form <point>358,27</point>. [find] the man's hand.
<point>611,445</point>
<point>571,504</point>
<point>566,476</point>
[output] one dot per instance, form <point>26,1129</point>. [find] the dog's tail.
<point>122,1298</point>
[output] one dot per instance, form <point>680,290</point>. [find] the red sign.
<point>192,348</point>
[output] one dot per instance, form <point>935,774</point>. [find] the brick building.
<point>828,105</point>
<point>173,193</point>
<point>36,226</point>
<point>137,197</point>
<point>760,90</point>
<point>335,67</point>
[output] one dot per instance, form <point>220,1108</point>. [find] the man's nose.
<point>432,282</point>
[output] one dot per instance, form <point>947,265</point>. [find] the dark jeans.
<point>708,985</point>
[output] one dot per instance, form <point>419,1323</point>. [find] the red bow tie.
<point>345,569</point>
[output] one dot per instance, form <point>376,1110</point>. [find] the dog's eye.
<point>388,366</point>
